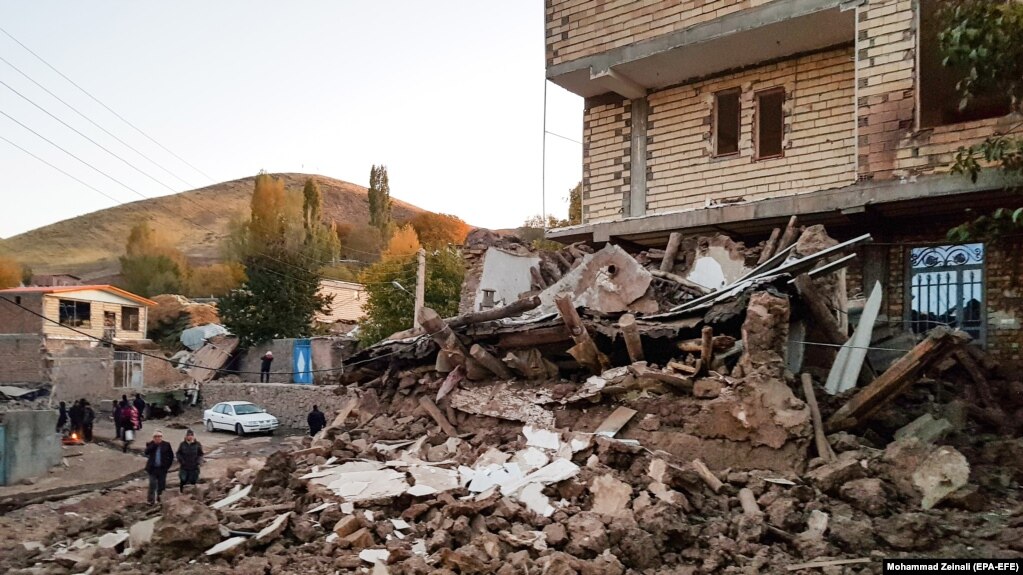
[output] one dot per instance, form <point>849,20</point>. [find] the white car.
<point>240,417</point>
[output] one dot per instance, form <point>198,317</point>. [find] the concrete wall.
<point>325,356</point>
<point>31,445</point>
<point>579,28</point>
<point>289,403</point>
<point>79,370</point>
<point>507,274</point>
<point>21,359</point>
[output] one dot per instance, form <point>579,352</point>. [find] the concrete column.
<point>637,172</point>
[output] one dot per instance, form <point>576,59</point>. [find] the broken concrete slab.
<point>939,475</point>
<point>226,547</point>
<point>374,555</point>
<point>113,540</point>
<point>925,428</point>
<point>607,281</point>
<point>234,497</point>
<point>141,534</point>
<point>615,422</point>
<point>610,496</point>
<point>543,438</point>
<point>274,529</point>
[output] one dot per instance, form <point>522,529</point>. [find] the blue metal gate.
<point>302,362</point>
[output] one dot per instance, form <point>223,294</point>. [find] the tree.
<point>150,266</point>
<point>984,38</point>
<point>215,280</point>
<point>280,295</point>
<point>380,203</point>
<point>404,243</point>
<point>439,230</point>
<point>10,273</point>
<point>389,308</point>
<point>533,230</point>
<point>575,205</point>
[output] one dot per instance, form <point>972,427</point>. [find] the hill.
<point>196,220</point>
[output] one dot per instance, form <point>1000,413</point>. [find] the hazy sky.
<point>448,94</point>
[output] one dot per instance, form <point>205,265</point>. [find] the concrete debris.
<point>226,547</point>
<point>925,428</point>
<point>941,474</point>
<point>611,496</point>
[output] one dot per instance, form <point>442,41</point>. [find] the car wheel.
<point>238,429</point>
<point>209,425</point>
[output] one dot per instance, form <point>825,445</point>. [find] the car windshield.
<point>247,408</point>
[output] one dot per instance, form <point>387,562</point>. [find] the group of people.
<point>160,456</point>
<point>80,416</point>
<point>128,419</point>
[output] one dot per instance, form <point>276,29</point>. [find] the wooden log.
<point>707,346</point>
<point>633,343</point>
<point>533,337</point>
<point>823,447</point>
<point>487,360</point>
<point>938,344</point>
<point>770,246</point>
<point>790,235</point>
<point>442,334</point>
<point>431,408</point>
<point>681,281</point>
<point>585,350</point>
<point>562,261</point>
<point>537,277</point>
<point>749,503</point>
<point>550,271</point>
<point>476,371</point>
<point>682,367</point>
<point>674,241</point>
<point>517,307</point>
<point>709,478</point>
<point>681,383</point>
<point>718,343</point>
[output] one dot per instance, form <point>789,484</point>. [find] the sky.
<point>449,95</point>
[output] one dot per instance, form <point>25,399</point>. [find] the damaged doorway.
<point>128,369</point>
<point>947,288</point>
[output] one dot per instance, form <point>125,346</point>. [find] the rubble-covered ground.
<point>548,444</point>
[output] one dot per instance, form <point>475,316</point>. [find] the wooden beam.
<point>515,308</point>
<point>537,277</point>
<point>820,314</point>
<point>791,234</point>
<point>686,284</point>
<point>431,408</point>
<point>709,478</point>
<point>706,347</point>
<point>533,337</point>
<point>770,246</point>
<point>585,350</point>
<point>823,447</point>
<point>674,241</point>
<point>939,343</point>
<point>442,334</point>
<point>633,343</point>
<point>749,503</point>
<point>487,360</point>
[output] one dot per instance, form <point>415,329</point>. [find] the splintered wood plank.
<point>615,422</point>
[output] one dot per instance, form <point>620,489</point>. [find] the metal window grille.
<point>947,288</point>
<point>128,369</point>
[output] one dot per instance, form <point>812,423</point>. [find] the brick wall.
<point>16,320</point>
<point>579,28</point>
<point>819,139</point>
<point>891,145</point>
<point>288,403</point>
<point>606,152</point>
<point>80,370</point>
<point>21,359</point>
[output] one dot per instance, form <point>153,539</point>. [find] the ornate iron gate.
<point>947,288</point>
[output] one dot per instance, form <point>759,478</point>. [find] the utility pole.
<point>420,287</point>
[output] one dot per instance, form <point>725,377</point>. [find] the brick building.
<point>70,338</point>
<point>729,116</point>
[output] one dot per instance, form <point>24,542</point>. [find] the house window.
<point>947,288</point>
<point>130,318</point>
<point>75,313</point>
<point>726,122</point>
<point>770,122</point>
<point>936,84</point>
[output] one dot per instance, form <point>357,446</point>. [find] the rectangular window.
<point>936,83</point>
<point>130,318</point>
<point>75,313</point>
<point>726,122</point>
<point>770,123</point>
<point>947,288</point>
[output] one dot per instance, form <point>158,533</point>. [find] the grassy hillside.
<point>196,220</point>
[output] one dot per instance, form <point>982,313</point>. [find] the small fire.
<point>74,436</point>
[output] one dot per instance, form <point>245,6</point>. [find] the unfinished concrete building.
<point>730,116</point>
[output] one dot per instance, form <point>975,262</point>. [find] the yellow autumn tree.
<point>10,273</point>
<point>403,243</point>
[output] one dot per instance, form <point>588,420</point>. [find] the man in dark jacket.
<point>316,420</point>
<point>88,420</point>
<point>75,415</point>
<point>140,406</point>
<point>159,458</point>
<point>190,456</point>
<point>62,417</point>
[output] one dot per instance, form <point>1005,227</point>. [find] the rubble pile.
<point>606,424</point>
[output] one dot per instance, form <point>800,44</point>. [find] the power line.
<point>91,121</point>
<point>563,137</point>
<point>95,99</point>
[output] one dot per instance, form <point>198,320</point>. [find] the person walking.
<point>316,420</point>
<point>159,458</point>
<point>190,457</point>
<point>61,417</point>
<point>115,414</point>
<point>131,422</point>
<point>140,406</point>
<point>88,420</point>
<point>264,367</point>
